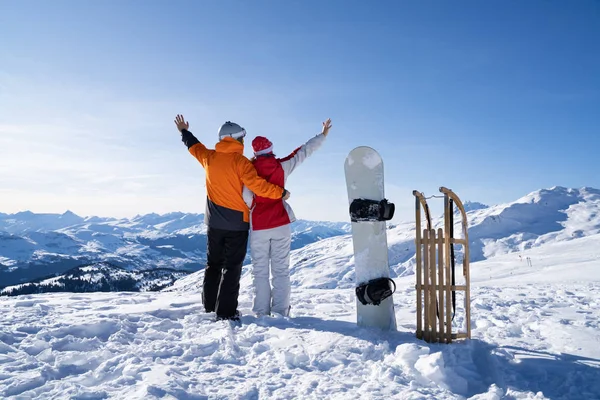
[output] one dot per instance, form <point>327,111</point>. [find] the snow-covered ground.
<point>535,336</point>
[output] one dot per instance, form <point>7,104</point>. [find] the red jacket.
<point>268,213</point>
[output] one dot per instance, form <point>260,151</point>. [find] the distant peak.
<point>149,215</point>
<point>559,189</point>
<point>24,213</point>
<point>474,205</point>
<point>590,190</point>
<point>554,191</point>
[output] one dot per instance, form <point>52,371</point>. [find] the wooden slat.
<point>458,241</point>
<point>467,275</point>
<point>447,270</point>
<point>432,292</point>
<point>419,261</point>
<point>468,299</point>
<point>440,288</point>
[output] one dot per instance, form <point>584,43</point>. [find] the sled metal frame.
<point>434,260</point>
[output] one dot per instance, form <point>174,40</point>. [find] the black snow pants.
<point>225,257</point>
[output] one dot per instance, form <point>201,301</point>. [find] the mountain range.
<point>43,246</point>
<point>34,246</point>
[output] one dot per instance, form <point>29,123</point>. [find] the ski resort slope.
<point>535,336</point>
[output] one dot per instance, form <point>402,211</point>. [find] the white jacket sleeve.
<point>248,196</point>
<point>290,163</point>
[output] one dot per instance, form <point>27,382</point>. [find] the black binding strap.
<point>375,291</point>
<point>371,210</point>
<point>452,261</point>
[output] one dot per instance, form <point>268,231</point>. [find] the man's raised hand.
<point>181,124</point>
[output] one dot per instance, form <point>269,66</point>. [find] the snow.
<point>535,312</point>
<point>535,336</point>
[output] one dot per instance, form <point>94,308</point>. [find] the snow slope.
<point>543,217</point>
<point>535,336</point>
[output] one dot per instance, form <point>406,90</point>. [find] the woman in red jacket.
<point>270,230</point>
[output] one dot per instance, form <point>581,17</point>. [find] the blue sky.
<point>507,92</point>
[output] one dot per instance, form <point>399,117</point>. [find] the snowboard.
<point>364,180</point>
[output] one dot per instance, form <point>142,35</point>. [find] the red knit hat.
<point>262,145</point>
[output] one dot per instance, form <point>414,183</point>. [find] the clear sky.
<point>493,99</point>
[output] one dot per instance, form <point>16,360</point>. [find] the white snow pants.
<point>270,250</point>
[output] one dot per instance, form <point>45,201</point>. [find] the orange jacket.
<point>227,171</point>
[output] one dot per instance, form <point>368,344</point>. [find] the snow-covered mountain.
<point>39,245</point>
<point>35,246</point>
<point>542,217</point>
<point>535,335</point>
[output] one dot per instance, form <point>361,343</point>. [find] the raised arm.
<point>298,156</point>
<point>197,149</point>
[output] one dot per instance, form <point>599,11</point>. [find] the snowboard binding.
<point>371,210</point>
<point>375,291</point>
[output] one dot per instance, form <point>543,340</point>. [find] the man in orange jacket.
<point>227,215</point>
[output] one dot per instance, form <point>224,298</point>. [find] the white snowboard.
<point>364,179</point>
